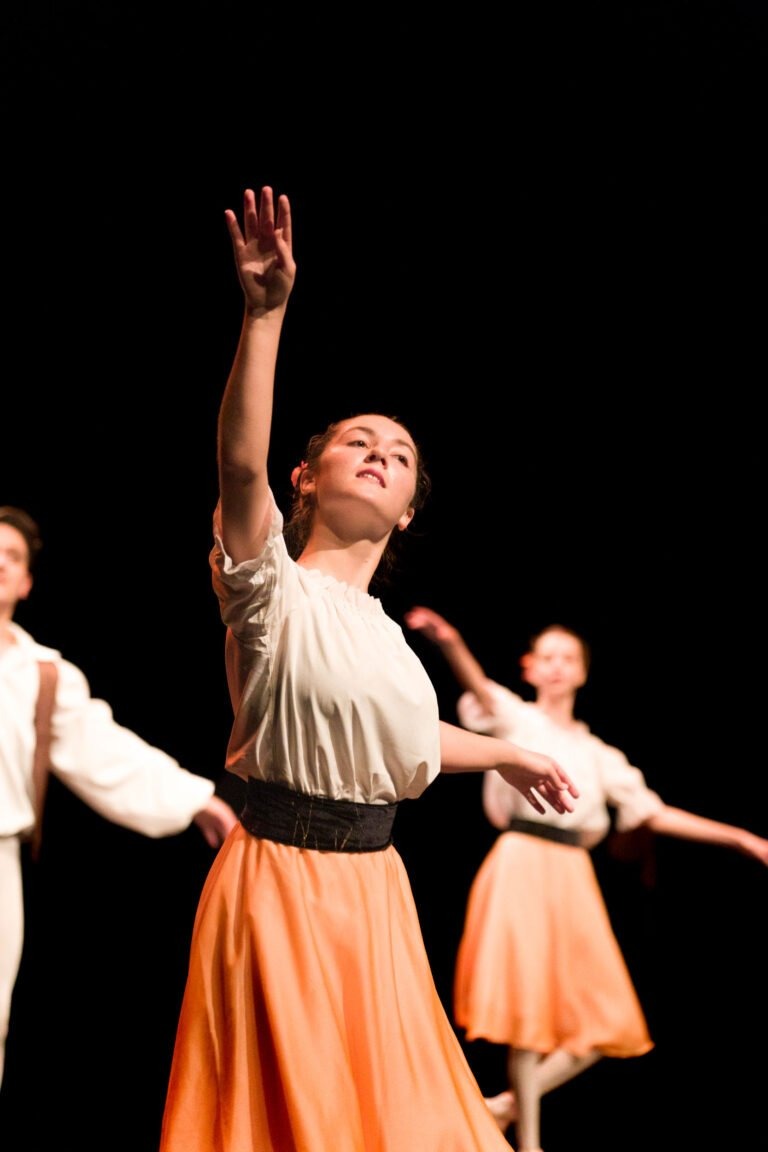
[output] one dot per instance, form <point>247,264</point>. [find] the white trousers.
<point>11,931</point>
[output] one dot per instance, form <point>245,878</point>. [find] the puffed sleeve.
<point>626,789</point>
<point>113,770</point>
<point>246,591</point>
<point>499,722</point>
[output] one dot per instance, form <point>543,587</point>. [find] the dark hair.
<point>299,521</point>
<point>23,523</point>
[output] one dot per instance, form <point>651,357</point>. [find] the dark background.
<point>538,237</point>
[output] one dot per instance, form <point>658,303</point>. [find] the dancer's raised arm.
<point>264,259</point>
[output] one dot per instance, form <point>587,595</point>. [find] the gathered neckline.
<point>354,595</point>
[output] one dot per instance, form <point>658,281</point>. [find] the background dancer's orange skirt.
<point>310,1020</point>
<point>538,965</point>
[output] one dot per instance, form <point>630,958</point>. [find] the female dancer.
<point>310,1019</point>
<point>539,968</point>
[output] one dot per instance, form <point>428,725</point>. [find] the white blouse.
<point>602,773</point>
<point>329,698</point>
<point>107,766</point>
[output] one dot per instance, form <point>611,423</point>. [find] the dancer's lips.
<point>372,474</point>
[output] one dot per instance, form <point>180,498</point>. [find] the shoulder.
<point>272,555</point>
<point>273,525</point>
<point>512,703</point>
<point>71,681</point>
<point>31,649</point>
<point>610,756</point>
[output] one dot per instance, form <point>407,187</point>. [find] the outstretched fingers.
<point>235,233</point>
<point>559,790</point>
<point>284,220</point>
<point>258,220</point>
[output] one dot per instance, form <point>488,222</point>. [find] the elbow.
<point>236,472</point>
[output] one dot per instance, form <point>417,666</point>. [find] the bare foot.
<point>503,1108</point>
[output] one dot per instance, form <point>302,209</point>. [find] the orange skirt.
<point>310,1019</point>
<point>538,965</point>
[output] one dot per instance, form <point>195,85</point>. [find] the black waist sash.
<point>274,812</point>
<point>546,831</point>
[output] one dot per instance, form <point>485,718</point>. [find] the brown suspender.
<point>43,714</point>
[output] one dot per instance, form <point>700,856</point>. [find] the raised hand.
<point>435,627</point>
<point>263,250</point>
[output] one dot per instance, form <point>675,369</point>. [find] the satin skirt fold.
<point>538,965</point>
<point>310,1020</point>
